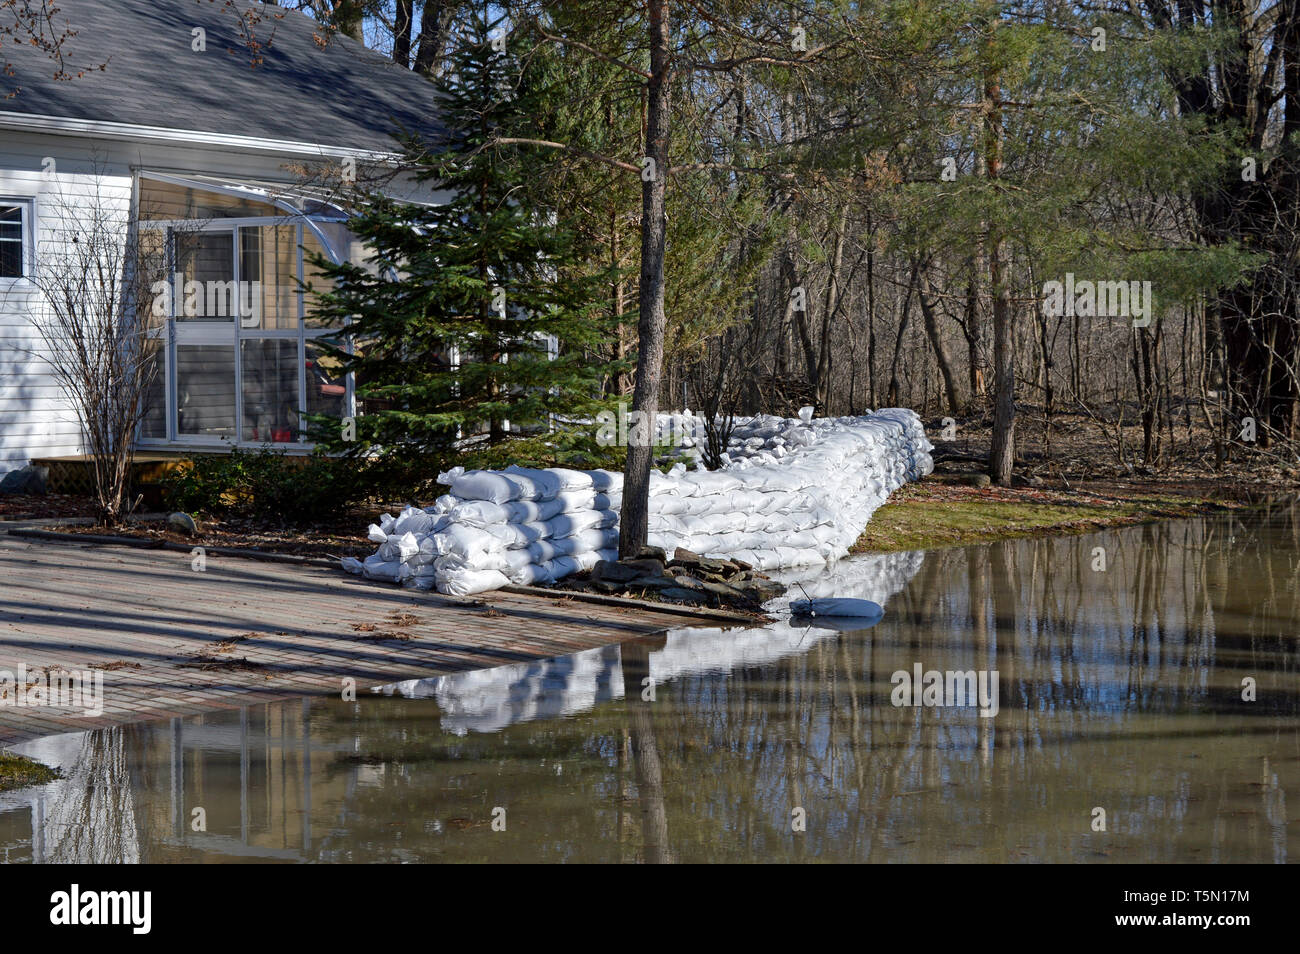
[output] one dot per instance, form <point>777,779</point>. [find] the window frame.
<point>26,205</point>
<point>172,334</point>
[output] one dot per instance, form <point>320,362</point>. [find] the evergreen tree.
<point>470,326</point>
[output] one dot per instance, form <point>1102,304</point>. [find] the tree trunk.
<point>634,520</point>
<point>903,319</point>
<point>821,378</point>
<point>952,384</point>
<point>435,28</point>
<point>403,20</point>
<point>1002,449</point>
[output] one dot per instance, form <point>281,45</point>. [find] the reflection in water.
<point>1120,689</point>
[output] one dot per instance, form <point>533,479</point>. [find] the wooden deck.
<point>174,641</point>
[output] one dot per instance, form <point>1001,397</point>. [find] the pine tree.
<point>470,327</point>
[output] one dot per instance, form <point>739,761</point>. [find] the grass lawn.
<point>933,513</point>
<point>19,772</point>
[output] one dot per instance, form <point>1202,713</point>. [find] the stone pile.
<point>685,578</point>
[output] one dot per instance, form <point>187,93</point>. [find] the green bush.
<point>266,485</point>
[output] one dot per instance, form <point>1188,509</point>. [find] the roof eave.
<point>64,126</point>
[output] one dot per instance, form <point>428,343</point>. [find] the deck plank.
<point>152,624</point>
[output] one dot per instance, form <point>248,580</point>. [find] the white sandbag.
<point>790,493</point>
<point>377,569</point>
<point>606,481</point>
<point>407,546</point>
<point>533,511</point>
<point>468,542</point>
<point>412,520</point>
<point>469,582</point>
<point>486,485</point>
<point>572,479</point>
<point>532,574</point>
<point>576,499</point>
<point>480,513</point>
<point>534,484</point>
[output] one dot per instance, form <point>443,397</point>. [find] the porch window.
<point>236,342</point>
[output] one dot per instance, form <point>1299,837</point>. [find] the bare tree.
<point>94,275</point>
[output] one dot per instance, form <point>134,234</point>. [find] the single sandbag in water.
<point>841,607</point>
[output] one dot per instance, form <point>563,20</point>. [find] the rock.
<point>722,589</point>
<point>764,590</point>
<point>25,480</point>
<point>612,572</point>
<point>644,567</point>
<point>651,582</point>
<point>979,481</point>
<point>689,582</point>
<point>606,586</point>
<point>679,594</point>
<point>652,553</point>
<point>183,522</point>
<point>702,566</point>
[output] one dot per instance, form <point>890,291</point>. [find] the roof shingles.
<point>332,94</point>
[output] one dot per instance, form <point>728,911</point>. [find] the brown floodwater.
<point>1149,673</point>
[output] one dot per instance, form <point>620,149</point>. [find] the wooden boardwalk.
<point>173,641</point>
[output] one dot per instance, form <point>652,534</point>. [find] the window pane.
<point>326,388</point>
<point>270,368</point>
<point>11,259</point>
<point>206,264</point>
<point>154,423</point>
<point>269,264</point>
<point>162,200</point>
<point>152,250</point>
<point>205,390</point>
<point>11,241</point>
<point>312,277</point>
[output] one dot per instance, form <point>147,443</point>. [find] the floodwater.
<point>1161,688</point>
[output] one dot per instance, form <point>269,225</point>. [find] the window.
<point>15,221</point>
<point>238,347</point>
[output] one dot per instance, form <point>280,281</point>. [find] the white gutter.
<point>93,128</point>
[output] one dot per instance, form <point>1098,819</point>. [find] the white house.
<point>207,141</point>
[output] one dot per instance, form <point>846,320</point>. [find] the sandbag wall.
<point>792,493</point>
